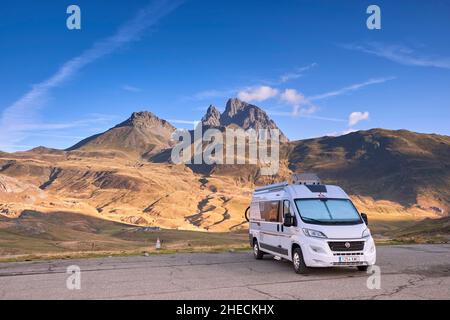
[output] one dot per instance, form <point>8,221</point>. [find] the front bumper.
<point>317,253</point>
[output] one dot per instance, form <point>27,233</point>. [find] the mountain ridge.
<point>120,175</point>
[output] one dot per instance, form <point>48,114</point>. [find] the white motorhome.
<point>310,224</point>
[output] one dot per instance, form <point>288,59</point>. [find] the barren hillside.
<point>126,175</point>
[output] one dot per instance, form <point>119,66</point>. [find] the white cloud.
<point>129,88</point>
<point>301,106</point>
<point>304,115</point>
<point>352,87</point>
<point>24,110</point>
<point>356,117</point>
<point>223,93</point>
<point>400,54</point>
<point>259,94</point>
<point>292,97</point>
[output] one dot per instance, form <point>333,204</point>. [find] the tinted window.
<point>280,212</point>
<point>269,210</point>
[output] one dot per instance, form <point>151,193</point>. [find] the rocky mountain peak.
<point>145,119</point>
<point>234,106</point>
<point>212,117</point>
<point>141,133</point>
<point>248,116</point>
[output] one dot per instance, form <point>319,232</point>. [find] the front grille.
<point>351,245</point>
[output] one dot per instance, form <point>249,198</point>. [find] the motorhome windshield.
<point>328,211</point>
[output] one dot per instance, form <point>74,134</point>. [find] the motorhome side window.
<point>269,210</point>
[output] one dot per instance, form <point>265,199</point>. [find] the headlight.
<point>314,233</point>
<point>366,233</point>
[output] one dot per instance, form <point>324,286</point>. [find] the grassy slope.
<point>70,235</point>
<point>62,234</point>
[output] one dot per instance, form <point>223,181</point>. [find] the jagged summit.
<point>234,105</point>
<point>212,117</point>
<point>242,114</point>
<point>143,119</point>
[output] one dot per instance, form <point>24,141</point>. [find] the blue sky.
<point>312,65</point>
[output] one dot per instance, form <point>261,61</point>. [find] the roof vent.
<point>305,178</point>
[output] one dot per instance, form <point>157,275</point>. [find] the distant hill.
<point>427,228</point>
<point>402,166</point>
<point>141,133</point>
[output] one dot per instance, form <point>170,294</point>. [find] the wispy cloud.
<point>297,73</point>
<point>129,88</point>
<point>180,121</point>
<point>304,115</point>
<point>61,130</point>
<point>56,136</point>
<point>400,54</point>
<point>349,88</point>
<point>231,92</point>
<point>304,106</point>
<point>23,112</point>
<point>98,119</point>
<point>211,94</point>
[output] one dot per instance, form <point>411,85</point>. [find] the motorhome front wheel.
<point>298,262</point>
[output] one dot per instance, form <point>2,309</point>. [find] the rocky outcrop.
<point>212,117</point>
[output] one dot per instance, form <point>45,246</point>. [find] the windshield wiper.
<point>313,220</point>
<point>331,221</point>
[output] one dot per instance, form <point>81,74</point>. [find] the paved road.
<point>417,271</point>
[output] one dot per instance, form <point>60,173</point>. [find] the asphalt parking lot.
<point>407,272</point>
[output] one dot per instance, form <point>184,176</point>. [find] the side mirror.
<point>288,220</point>
<point>364,217</point>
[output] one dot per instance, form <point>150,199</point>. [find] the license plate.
<point>349,259</point>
